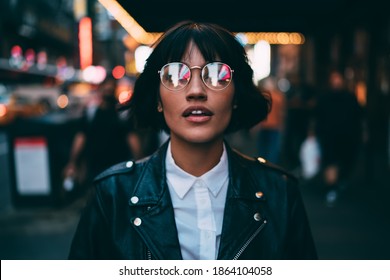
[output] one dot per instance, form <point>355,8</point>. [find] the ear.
<point>235,103</point>
<point>159,107</point>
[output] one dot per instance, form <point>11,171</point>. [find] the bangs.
<point>212,45</point>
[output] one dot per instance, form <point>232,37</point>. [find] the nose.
<point>196,89</point>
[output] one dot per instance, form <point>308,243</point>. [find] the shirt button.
<point>134,199</point>
<point>257,217</point>
<point>129,164</point>
<point>137,222</point>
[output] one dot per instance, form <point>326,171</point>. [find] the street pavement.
<point>39,233</point>
<point>356,227</point>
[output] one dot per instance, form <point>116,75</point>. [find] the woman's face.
<point>197,114</point>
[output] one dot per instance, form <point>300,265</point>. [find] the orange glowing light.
<point>62,101</point>
<point>118,72</point>
<point>138,33</point>
<point>85,41</point>
<point>124,96</point>
<point>3,110</point>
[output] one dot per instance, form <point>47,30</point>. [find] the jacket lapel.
<point>243,215</point>
<point>158,227</point>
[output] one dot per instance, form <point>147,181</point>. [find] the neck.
<point>196,159</point>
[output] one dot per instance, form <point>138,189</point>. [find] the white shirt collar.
<point>181,181</point>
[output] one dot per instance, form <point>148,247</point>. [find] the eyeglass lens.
<point>177,75</point>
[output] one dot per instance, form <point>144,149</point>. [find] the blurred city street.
<point>38,233</point>
<point>66,66</point>
<point>356,227</point>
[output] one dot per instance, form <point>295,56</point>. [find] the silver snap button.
<point>257,217</point>
<point>259,194</point>
<point>129,164</point>
<point>134,199</point>
<point>137,222</point>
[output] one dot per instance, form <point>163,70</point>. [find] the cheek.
<point>227,113</point>
<point>169,115</point>
<point>227,104</point>
<point>168,104</point>
<point>164,99</point>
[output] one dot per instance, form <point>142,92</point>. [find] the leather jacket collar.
<point>153,193</point>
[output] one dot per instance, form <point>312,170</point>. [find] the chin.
<point>203,137</point>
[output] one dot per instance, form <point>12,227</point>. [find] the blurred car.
<point>78,94</point>
<point>26,101</point>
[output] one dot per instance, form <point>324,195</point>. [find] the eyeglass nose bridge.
<point>201,70</point>
<point>196,67</point>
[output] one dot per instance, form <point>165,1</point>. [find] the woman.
<point>195,198</point>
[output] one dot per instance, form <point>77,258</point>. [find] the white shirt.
<point>198,204</point>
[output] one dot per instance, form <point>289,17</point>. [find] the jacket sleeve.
<point>90,239</point>
<point>299,240</point>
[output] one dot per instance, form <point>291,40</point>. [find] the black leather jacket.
<point>131,216</point>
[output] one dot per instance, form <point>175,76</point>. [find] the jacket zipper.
<point>246,244</point>
<point>149,255</point>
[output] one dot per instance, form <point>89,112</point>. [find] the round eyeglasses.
<point>177,75</point>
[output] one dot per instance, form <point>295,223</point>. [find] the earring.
<point>159,108</point>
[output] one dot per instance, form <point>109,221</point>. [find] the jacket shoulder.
<point>278,169</point>
<point>263,163</point>
<point>120,168</point>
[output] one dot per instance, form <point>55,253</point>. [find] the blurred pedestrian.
<point>300,100</point>
<point>103,138</point>
<point>269,132</point>
<point>195,198</point>
<point>338,128</point>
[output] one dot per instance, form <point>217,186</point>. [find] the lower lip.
<point>198,119</point>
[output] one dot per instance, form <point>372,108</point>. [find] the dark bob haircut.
<point>216,44</point>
